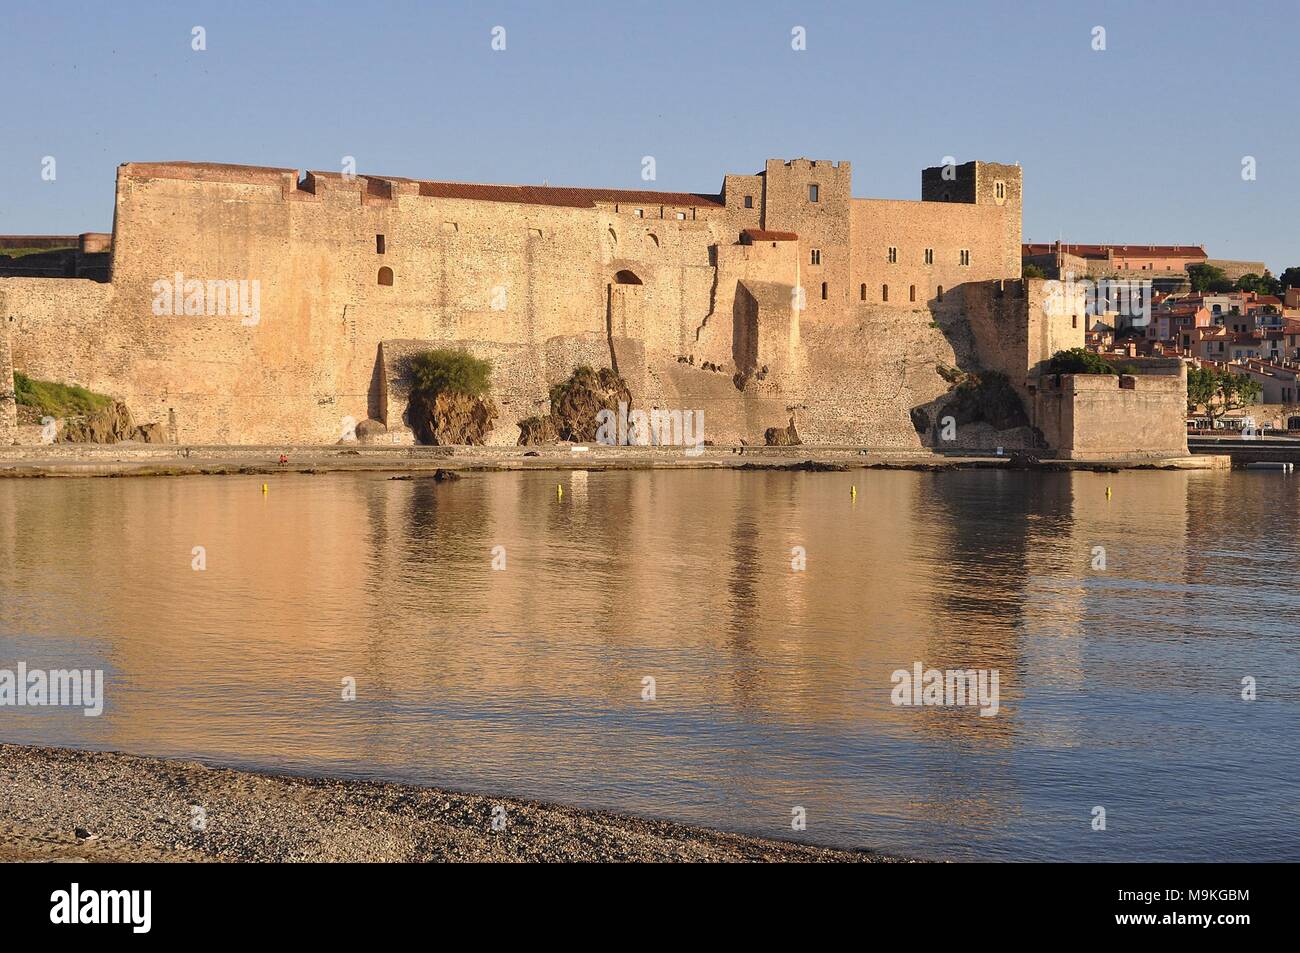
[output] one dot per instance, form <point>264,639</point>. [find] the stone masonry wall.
<point>353,274</point>
<point>8,406</point>
<point>1099,416</point>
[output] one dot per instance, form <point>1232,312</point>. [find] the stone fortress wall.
<point>760,303</point>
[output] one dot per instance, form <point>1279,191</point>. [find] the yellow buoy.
<point>853,492</point>
<point>265,488</point>
<point>559,491</point>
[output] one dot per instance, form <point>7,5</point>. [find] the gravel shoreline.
<point>58,804</point>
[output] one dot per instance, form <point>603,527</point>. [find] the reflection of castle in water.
<point>683,576</point>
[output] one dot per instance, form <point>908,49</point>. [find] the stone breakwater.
<point>62,460</point>
<point>61,804</point>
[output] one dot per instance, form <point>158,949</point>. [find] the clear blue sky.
<point>1140,143</point>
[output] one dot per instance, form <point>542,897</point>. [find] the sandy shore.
<point>65,805</point>
<point>71,460</point>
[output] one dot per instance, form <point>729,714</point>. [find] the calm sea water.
<point>1119,688</point>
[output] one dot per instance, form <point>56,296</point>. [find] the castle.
<point>256,305</point>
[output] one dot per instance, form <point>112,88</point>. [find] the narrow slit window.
<point>379,244</point>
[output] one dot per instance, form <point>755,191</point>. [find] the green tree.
<point>1218,391</point>
<point>1265,284</point>
<point>1290,278</point>
<point>1210,278</point>
<point>1032,271</point>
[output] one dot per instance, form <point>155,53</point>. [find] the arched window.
<point>940,295</point>
<point>386,276</point>
<point>824,293</point>
<point>862,292</point>
<point>884,292</point>
<point>654,238</point>
<point>911,293</point>
<point>626,277</point>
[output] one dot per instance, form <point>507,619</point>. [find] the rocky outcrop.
<point>980,411</point>
<point>537,432</point>
<point>786,436</point>
<point>110,424</point>
<point>451,419</point>
<point>150,433</point>
<point>575,408</point>
<point>987,397</point>
<point>575,403</point>
<point>370,432</point>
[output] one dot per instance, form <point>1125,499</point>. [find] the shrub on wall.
<point>447,371</point>
<point>1078,360</point>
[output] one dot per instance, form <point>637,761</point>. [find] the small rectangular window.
<point>892,257</point>
<point>816,256</point>
<point>813,193</point>
<point>749,201</point>
<point>379,244</point>
<point>639,213</point>
<point>965,256</point>
<point>929,256</point>
<point>681,216</point>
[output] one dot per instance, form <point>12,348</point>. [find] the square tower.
<point>975,183</point>
<point>812,198</point>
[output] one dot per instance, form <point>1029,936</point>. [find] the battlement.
<point>807,165</point>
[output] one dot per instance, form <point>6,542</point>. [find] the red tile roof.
<point>1124,251</point>
<point>570,198</point>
